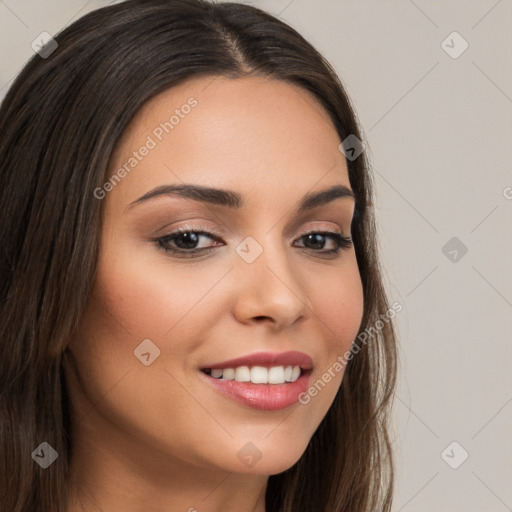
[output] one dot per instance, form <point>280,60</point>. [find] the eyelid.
<point>321,225</point>
<point>337,235</point>
<point>166,230</point>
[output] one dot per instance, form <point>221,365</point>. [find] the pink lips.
<point>267,397</point>
<point>268,359</point>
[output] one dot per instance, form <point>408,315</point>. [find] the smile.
<point>257,374</point>
<point>259,381</point>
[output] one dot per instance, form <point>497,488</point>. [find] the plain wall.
<point>438,132</point>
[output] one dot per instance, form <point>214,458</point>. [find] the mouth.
<point>257,374</point>
<point>265,381</point>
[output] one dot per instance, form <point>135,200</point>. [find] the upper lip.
<point>291,358</point>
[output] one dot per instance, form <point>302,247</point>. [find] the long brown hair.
<point>59,124</point>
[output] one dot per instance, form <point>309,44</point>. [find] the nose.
<point>269,291</point>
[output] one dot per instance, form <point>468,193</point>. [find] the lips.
<point>267,359</point>
<point>264,380</point>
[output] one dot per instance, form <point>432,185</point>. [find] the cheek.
<point>149,297</point>
<point>338,307</point>
<point>142,298</point>
<point>130,305</point>
<point>338,303</point>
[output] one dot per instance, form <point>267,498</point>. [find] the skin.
<point>158,438</point>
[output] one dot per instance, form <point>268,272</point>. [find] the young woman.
<point>192,311</point>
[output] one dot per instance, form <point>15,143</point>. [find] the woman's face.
<point>168,314</point>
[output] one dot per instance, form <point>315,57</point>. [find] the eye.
<point>316,238</point>
<point>185,242</point>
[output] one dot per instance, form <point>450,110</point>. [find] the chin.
<point>270,460</point>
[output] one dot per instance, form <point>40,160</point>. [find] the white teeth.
<point>227,374</point>
<point>242,374</point>
<point>276,375</point>
<point>258,374</point>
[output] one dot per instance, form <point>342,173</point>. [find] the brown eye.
<point>185,240</point>
<point>318,238</point>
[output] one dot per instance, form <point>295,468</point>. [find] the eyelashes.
<point>187,237</point>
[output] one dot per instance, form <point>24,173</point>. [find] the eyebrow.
<point>233,200</point>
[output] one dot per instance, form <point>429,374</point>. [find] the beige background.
<point>438,131</point>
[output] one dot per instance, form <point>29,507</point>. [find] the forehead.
<point>242,134</point>
<point>234,99</point>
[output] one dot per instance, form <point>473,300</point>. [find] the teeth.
<point>276,375</point>
<point>259,374</point>
<point>242,374</point>
<point>227,374</point>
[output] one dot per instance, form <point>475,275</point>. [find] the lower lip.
<point>266,397</point>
